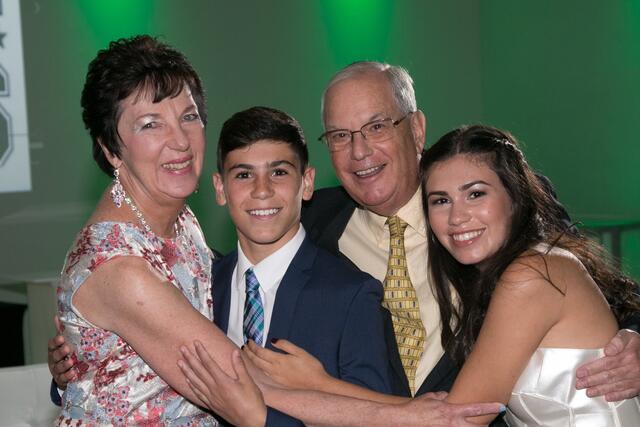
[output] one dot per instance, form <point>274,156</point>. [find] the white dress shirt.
<point>269,273</point>
<point>365,242</point>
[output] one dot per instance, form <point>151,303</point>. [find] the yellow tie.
<point>401,300</point>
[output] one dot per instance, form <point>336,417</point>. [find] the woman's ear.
<point>113,159</point>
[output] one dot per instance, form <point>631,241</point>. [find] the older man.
<point>375,135</point>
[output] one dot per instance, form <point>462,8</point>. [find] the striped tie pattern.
<point>401,300</point>
<point>253,310</point>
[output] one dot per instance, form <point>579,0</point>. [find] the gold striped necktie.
<point>401,300</point>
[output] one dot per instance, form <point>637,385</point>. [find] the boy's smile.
<point>263,186</point>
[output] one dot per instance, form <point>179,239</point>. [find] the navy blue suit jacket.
<point>329,309</point>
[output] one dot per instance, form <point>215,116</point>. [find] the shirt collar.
<point>412,213</point>
<point>270,270</point>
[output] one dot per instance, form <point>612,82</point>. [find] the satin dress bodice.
<point>545,395</point>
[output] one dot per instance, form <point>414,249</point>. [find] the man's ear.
<point>114,160</point>
<point>308,178</point>
<point>419,130</point>
<point>218,185</point>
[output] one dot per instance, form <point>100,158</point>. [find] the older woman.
<point>141,260</point>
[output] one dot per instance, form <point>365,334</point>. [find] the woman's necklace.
<point>140,217</point>
<point>118,195</point>
<point>138,214</point>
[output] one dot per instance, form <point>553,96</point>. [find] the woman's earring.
<point>117,192</point>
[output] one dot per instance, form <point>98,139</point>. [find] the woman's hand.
<point>295,369</point>
<point>238,399</point>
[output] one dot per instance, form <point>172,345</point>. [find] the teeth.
<point>177,166</point>
<point>367,171</point>
<point>466,236</point>
<point>264,212</point>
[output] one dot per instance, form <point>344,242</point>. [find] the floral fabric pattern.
<point>114,385</point>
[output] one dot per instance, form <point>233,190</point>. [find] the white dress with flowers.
<point>115,386</point>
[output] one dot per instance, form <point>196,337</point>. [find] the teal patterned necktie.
<point>253,310</point>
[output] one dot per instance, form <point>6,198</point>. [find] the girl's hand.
<point>295,369</point>
<point>236,398</point>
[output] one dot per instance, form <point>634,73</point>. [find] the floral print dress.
<point>114,385</point>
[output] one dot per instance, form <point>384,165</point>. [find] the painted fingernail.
<point>274,340</point>
<point>503,409</point>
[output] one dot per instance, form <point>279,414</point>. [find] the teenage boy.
<point>278,284</point>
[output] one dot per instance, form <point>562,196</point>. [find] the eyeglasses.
<point>375,131</point>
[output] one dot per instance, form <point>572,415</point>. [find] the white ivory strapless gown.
<point>545,395</point>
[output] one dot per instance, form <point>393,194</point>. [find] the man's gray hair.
<point>399,79</point>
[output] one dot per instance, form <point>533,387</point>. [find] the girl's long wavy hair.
<point>536,218</point>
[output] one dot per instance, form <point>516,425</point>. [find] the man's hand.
<point>616,376</point>
<point>59,360</point>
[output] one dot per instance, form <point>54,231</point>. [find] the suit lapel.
<point>222,276</point>
<point>293,282</point>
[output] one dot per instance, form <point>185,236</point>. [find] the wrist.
<point>258,419</point>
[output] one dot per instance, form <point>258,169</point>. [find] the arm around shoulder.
<point>129,298</point>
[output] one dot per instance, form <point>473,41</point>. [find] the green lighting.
<point>113,19</point>
<point>358,29</point>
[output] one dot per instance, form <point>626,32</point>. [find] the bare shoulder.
<point>120,287</point>
<point>553,267</point>
<point>126,276</point>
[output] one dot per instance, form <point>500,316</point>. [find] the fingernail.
<point>274,340</point>
<point>503,409</point>
<point>579,385</point>
<point>198,344</point>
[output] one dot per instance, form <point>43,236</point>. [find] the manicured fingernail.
<point>503,409</point>
<point>274,340</point>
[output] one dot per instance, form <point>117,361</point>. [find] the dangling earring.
<point>117,192</point>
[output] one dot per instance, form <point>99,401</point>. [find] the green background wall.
<point>562,76</point>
